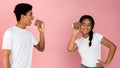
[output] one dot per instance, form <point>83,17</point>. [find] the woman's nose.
<point>85,26</point>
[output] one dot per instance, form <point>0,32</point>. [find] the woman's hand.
<point>76,31</point>
<point>103,64</point>
<point>76,27</point>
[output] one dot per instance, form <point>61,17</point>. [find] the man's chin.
<point>29,24</point>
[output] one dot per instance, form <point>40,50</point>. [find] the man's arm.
<point>41,45</point>
<point>6,58</point>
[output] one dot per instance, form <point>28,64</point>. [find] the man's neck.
<point>21,25</point>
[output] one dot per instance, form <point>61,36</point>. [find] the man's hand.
<point>40,25</point>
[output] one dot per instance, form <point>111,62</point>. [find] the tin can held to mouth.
<point>39,23</point>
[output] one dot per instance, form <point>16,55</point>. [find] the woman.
<point>89,45</point>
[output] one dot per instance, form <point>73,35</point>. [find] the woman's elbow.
<point>70,50</point>
<point>113,47</point>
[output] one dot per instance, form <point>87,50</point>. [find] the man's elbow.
<point>41,49</point>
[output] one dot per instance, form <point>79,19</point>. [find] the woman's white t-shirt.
<point>90,55</point>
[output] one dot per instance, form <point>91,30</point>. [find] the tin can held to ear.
<point>39,23</point>
<point>76,25</point>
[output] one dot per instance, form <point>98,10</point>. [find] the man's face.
<point>27,19</point>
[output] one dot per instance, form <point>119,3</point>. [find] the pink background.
<point>58,16</point>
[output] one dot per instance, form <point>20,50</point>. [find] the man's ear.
<point>22,16</point>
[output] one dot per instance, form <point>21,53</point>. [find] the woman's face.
<point>86,26</point>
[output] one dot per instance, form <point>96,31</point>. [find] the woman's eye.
<point>89,25</point>
<point>83,24</point>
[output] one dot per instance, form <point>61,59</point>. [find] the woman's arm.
<point>112,49</point>
<point>72,46</point>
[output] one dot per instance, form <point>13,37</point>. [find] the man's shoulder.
<point>9,29</point>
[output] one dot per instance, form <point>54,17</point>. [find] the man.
<point>18,42</point>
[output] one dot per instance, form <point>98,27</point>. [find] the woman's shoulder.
<point>97,34</point>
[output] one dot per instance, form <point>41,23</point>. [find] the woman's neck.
<point>85,35</point>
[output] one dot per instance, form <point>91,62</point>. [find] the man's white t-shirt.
<point>20,42</point>
<point>90,55</point>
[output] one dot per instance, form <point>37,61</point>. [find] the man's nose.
<point>32,18</point>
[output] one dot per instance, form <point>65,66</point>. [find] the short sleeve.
<point>77,42</point>
<point>99,37</point>
<point>34,41</point>
<point>7,41</point>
